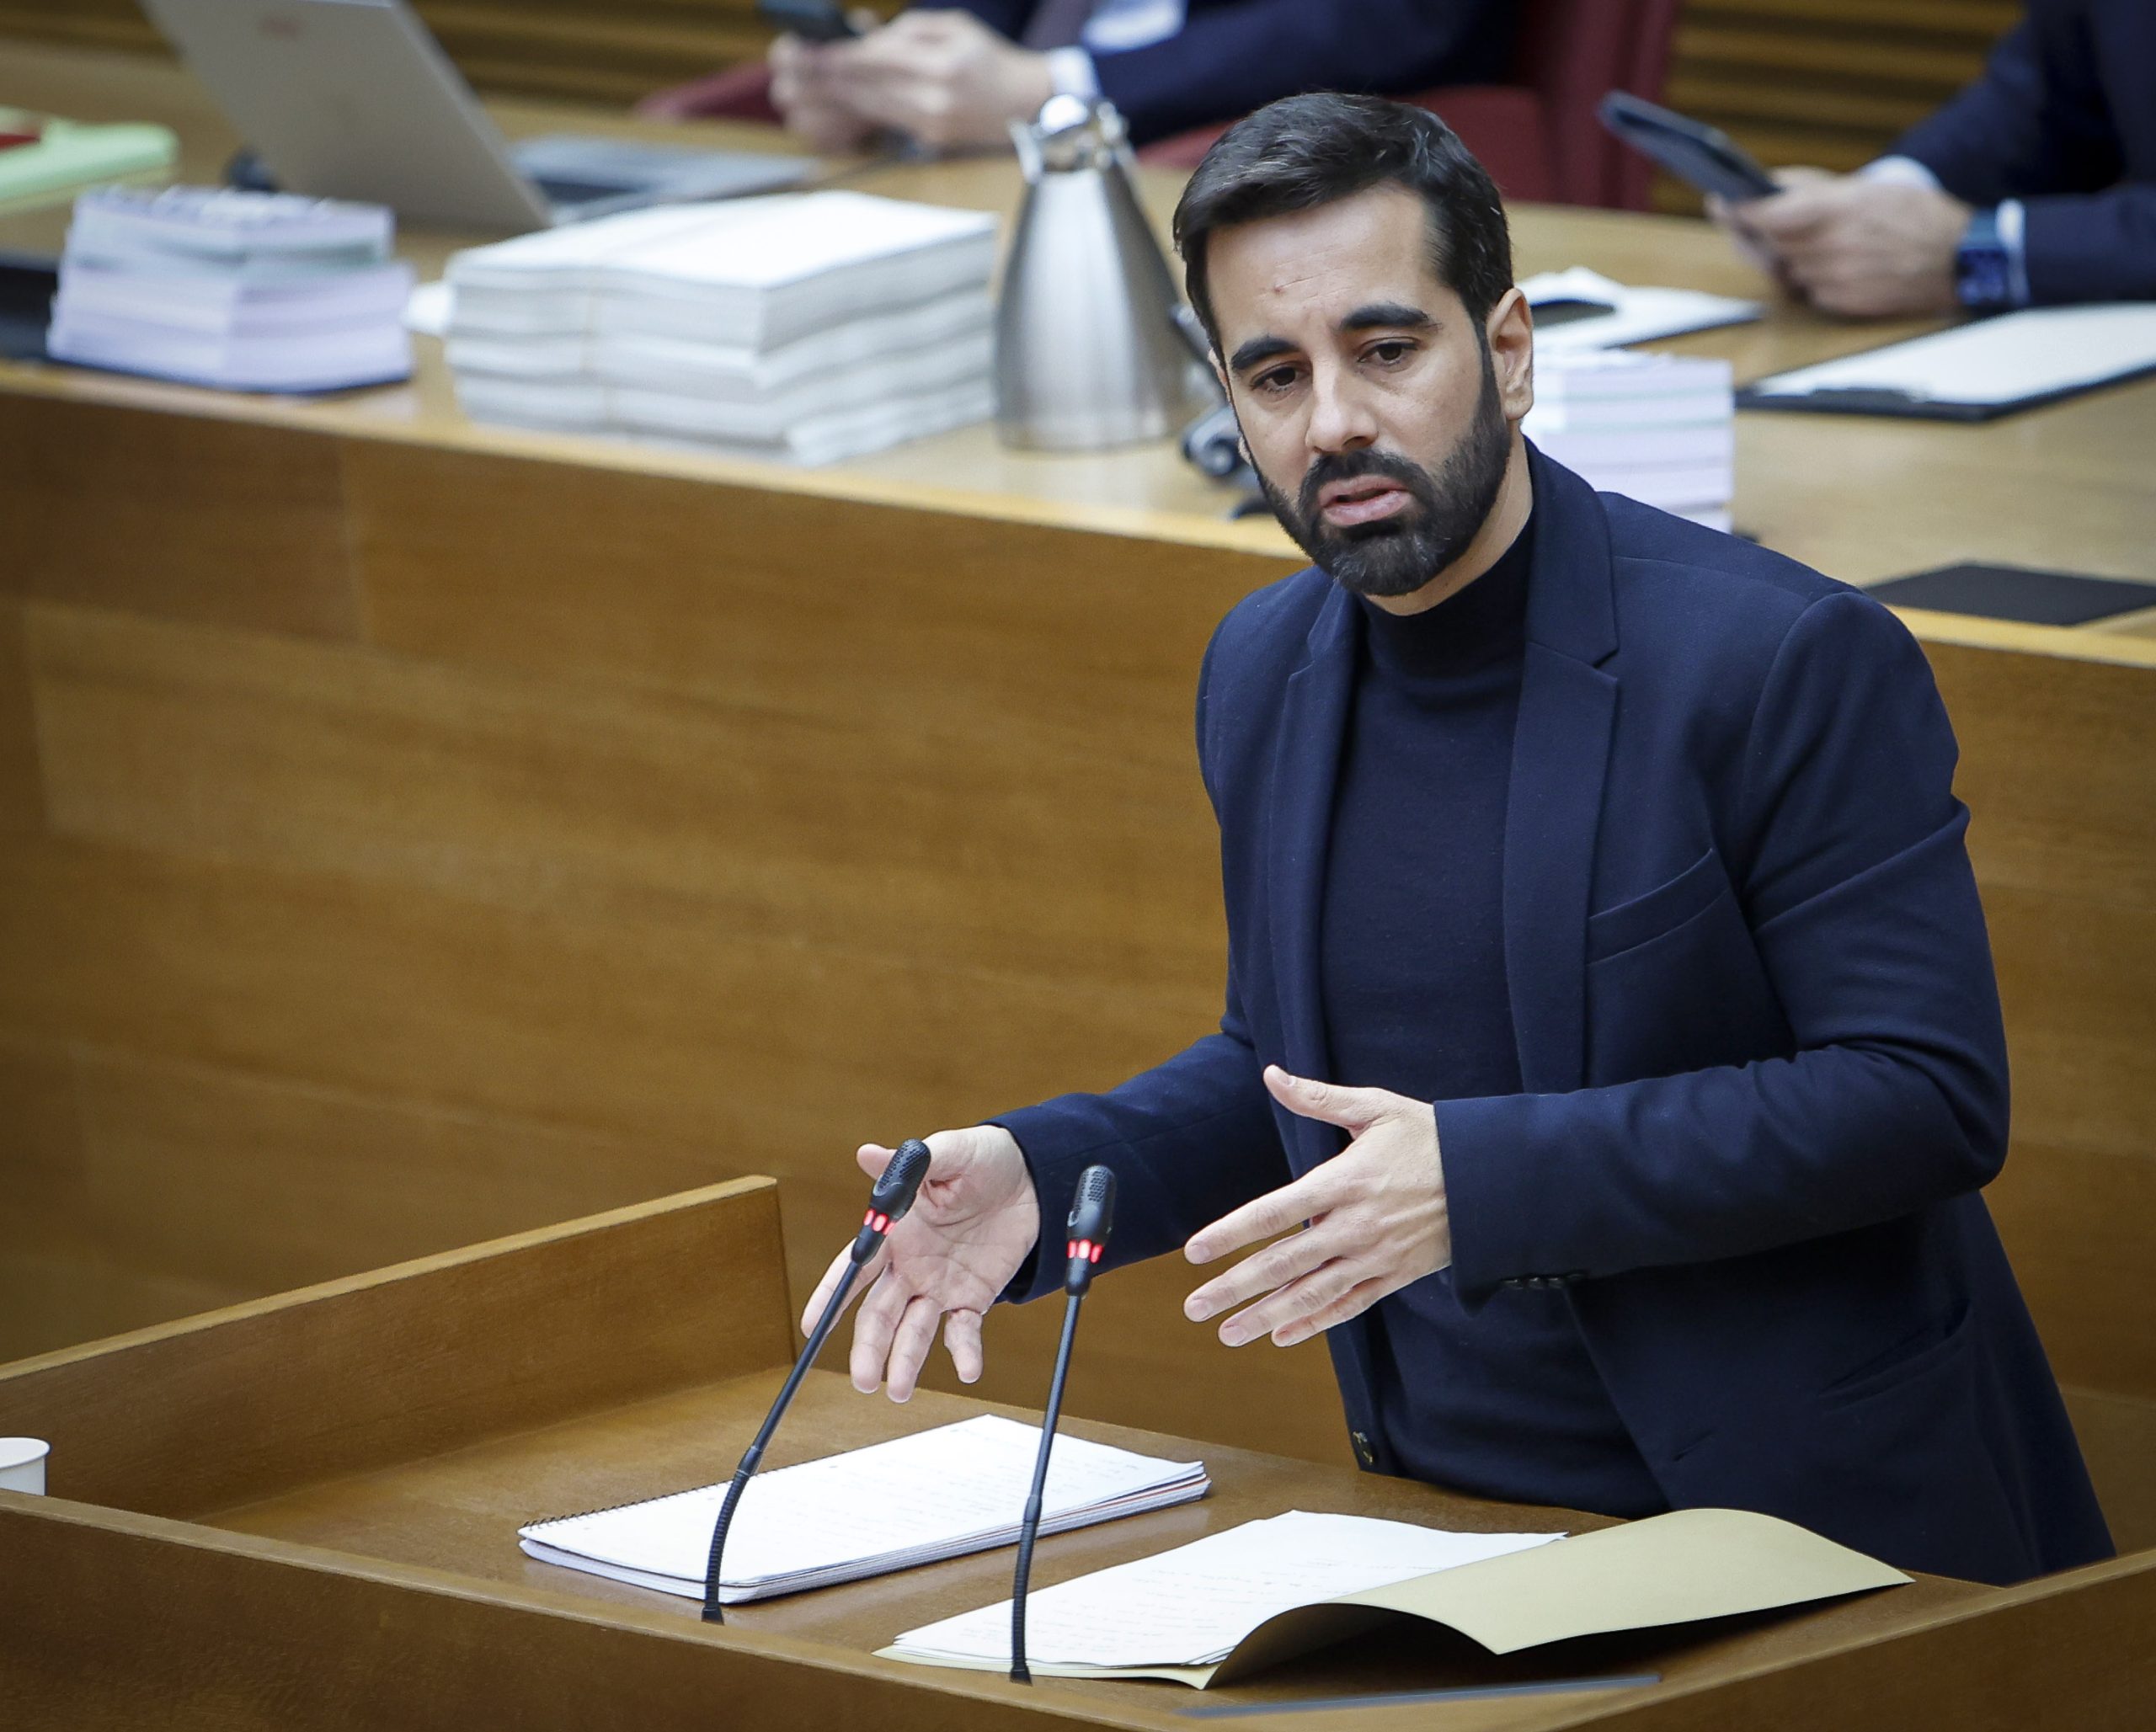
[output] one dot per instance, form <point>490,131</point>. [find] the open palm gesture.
<point>974,1224</point>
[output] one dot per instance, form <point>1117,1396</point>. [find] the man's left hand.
<point>942,77</point>
<point>1862,249</point>
<point>1376,1212</point>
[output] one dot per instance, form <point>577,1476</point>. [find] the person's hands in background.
<point>1863,248</point>
<point>801,92</point>
<point>971,1229</point>
<point>1377,1212</point>
<point>943,79</point>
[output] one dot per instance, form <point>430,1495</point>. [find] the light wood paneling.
<point>212,1175</point>
<point>337,1377</point>
<point>2055,768</point>
<point>2118,1436</point>
<point>41,1137</point>
<point>914,615</point>
<point>2073,977</point>
<point>21,805</point>
<point>2077,1223</point>
<point>216,521</point>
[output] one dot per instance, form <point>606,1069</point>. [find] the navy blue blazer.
<point>2064,119</point>
<point>1758,1028</point>
<point>1233,56</point>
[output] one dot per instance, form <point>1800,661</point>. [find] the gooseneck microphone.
<point>887,1203</point>
<point>1092,1212</point>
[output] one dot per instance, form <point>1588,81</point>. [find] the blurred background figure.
<point>2036,186</point>
<point>951,76</point>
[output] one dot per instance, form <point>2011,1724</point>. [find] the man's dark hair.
<point>1303,151</point>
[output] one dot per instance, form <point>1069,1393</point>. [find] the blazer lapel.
<point>1305,766</point>
<point>1561,759</point>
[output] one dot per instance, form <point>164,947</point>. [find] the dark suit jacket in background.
<point>2064,119</point>
<point>1233,56</point>
<point>1764,1074</point>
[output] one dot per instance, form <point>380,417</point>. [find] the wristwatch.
<point>1983,273</point>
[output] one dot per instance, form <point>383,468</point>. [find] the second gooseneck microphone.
<point>1092,1212</point>
<point>887,1203</point>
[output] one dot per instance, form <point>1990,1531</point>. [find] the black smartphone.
<point>812,20</point>
<point>1704,156</point>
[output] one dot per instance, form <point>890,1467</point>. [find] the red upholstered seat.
<point>1537,135</point>
<point>742,93</point>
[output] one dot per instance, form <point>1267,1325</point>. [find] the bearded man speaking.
<point>1607,989</point>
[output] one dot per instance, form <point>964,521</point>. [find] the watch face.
<point>1981,278</point>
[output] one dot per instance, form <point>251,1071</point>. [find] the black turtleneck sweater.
<point>1505,1402</point>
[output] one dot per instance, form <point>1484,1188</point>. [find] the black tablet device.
<point>1704,156</point>
<point>812,20</point>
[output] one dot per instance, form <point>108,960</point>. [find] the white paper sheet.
<point>933,1495</point>
<point>2009,359</point>
<point>1190,1606</point>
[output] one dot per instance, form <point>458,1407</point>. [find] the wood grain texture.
<point>2077,1223</point>
<point>22,806</point>
<point>217,1176</point>
<point>2118,1437</point>
<point>210,521</point>
<point>422,1356</point>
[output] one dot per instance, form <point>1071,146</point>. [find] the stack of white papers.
<point>1660,429</point>
<point>245,291</point>
<point>800,328</point>
<point>1191,1606</point>
<point>936,1494</point>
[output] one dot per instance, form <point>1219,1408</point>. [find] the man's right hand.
<point>972,1226</point>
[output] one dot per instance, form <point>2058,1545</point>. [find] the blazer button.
<point>1363,1453</point>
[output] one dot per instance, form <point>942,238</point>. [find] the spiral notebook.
<point>936,1494</point>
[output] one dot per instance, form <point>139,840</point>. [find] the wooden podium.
<point>302,1512</point>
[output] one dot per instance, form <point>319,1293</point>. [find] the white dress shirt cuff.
<point>1071,71</point>
<point>1899,171</point>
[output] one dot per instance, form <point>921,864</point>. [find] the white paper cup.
<point>22,1463</point>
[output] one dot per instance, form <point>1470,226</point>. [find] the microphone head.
<point>895,1191</point>
<point>1092,1211</point>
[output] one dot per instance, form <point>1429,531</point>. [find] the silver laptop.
<point>354,99</point>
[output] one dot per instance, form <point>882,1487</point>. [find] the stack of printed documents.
<point>1660,429</point>
<point>1234,1602</point>
<point>802,327</point>
<point>918,1499</point>
<point>245,291</point>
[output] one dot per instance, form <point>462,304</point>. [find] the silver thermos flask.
<point>1088,351</point>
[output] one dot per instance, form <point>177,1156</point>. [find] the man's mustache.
<point>1354,465</point>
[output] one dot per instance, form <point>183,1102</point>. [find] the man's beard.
<point>1398,555</point>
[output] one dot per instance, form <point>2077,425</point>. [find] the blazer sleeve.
<point>1007,18</point>
<point>1188,1140</point>
<point>1228,59</point>
<point>1848,847</point>
<point>2038,127</point>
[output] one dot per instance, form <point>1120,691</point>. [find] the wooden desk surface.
<point>398,1428</point>
<point>1861,499</point>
